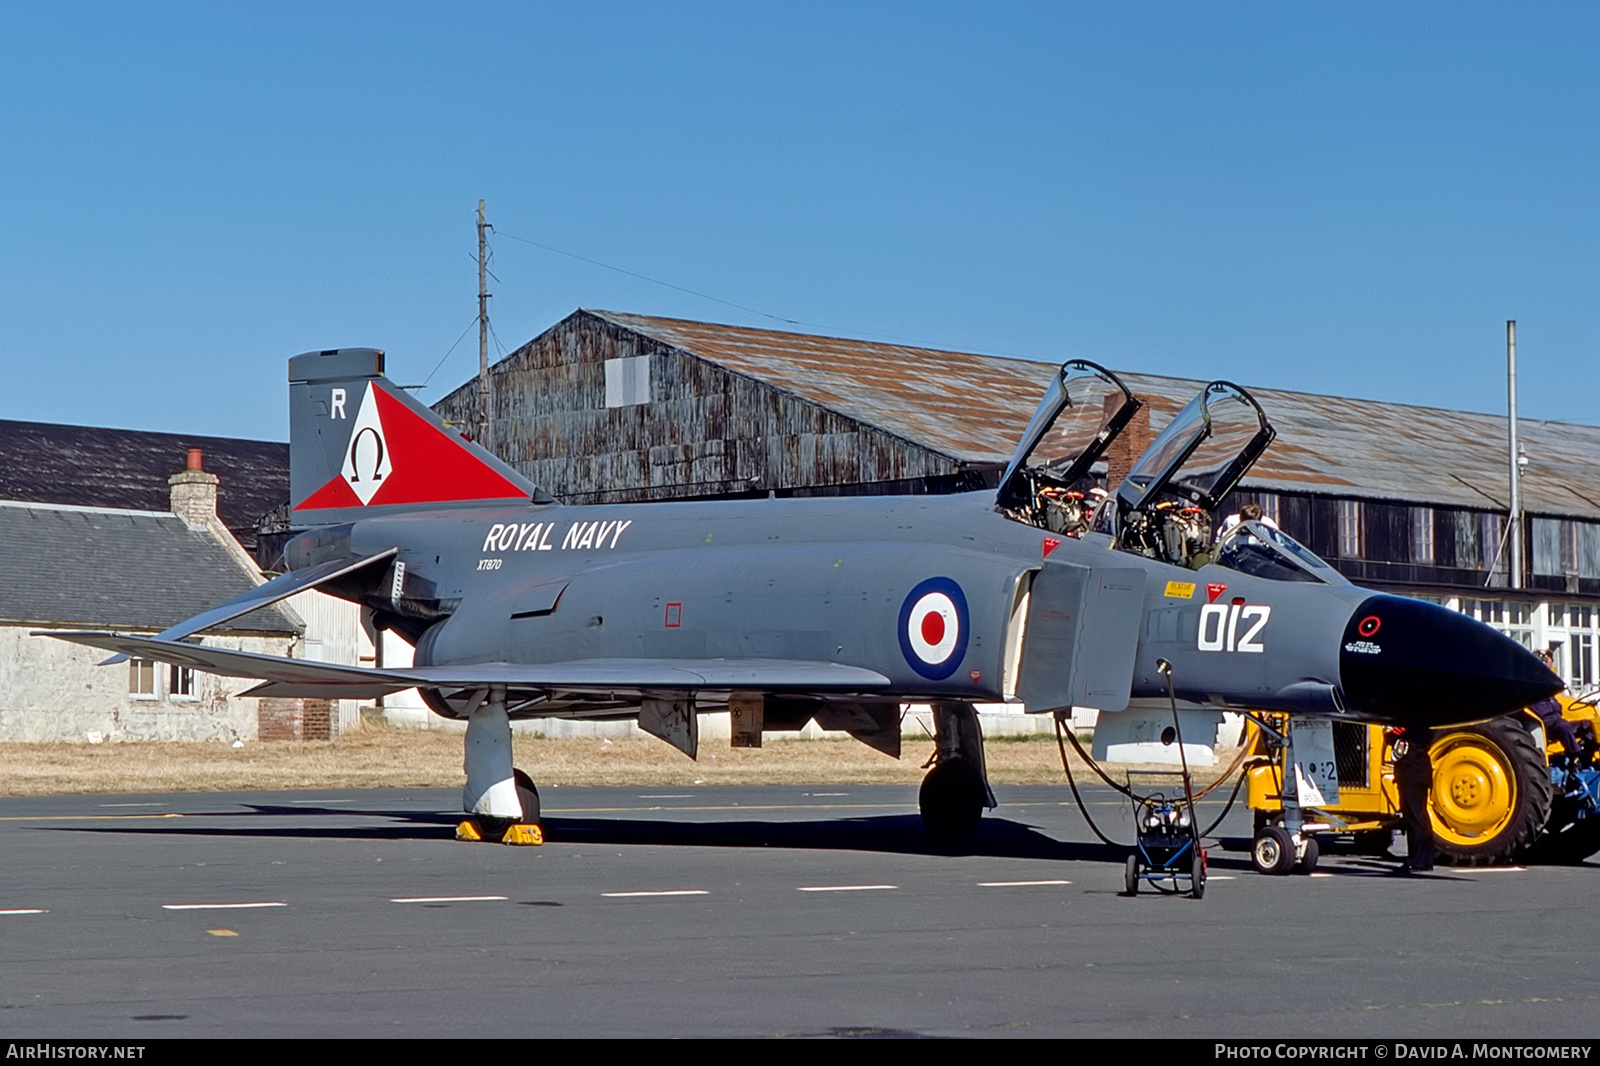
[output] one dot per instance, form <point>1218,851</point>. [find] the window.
<point>1580,665</point>
<point>1350,539</point>
<point>141,679</point>
<point>1422,535</point>
<point>1269,507</point>
<point>180,683</point>
<point>628,381</point>
<point>1514,619</point>
<point>1490,527</point>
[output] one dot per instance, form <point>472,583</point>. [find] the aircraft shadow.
<point>887,834</point>
<point>901,834</point>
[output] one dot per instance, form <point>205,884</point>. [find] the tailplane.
<point>359,444</point>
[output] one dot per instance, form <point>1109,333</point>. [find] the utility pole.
<point>483,334</point>
<point>1516,468</point>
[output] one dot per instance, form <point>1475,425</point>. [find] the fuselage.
<point>932,592</point>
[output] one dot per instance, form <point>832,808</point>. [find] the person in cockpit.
<point>1250,512</point>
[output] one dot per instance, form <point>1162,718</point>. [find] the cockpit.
<point>1263,550</point>
<point>1166,506</point>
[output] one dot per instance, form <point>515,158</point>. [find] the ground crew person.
<point>1413,779</point>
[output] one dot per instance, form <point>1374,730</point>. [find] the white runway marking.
<point>1220,877</point>
<point>814,794</point>
<point>24,910</point>
<point>673,796</point>
<point>847,888</point>
<point>448,899</point>
<point>1019,884</point>
<point>1321,875</point>
<point>660,892</point>
<point>1501,870</point>
<point>217,906</point>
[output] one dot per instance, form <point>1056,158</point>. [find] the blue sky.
<point>1332,198</point>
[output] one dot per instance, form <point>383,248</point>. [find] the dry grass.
<point>384,758</point>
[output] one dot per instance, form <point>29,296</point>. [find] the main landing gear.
<point>956,790</point>
<point>501,802</point>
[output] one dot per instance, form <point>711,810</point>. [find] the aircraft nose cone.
<point>1410,662</point>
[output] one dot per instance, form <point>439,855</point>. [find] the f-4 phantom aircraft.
<point>836,609</point>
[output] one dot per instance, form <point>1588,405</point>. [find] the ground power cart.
<point>1167,854</point>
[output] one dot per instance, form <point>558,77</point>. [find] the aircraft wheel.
<point>1308,858</point>
<point>1130,875</point>
<point>1491,793</point>
<point>1197,874</point>
<point>951,799</point>
<point>1272,851</point>
<point>528,796</point>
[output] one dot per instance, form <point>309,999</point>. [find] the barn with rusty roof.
<point>609,407</point>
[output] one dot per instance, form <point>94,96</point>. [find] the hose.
<point>1066,765</point>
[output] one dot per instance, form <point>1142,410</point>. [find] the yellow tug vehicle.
<point>1502,791</point>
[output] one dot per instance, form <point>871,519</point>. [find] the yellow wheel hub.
<point>1474,789</point>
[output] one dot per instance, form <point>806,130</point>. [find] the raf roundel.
<point>933,628</point>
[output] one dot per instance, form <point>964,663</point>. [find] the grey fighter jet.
<point>838,610</point>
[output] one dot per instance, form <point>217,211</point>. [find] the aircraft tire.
<point>1272,851</point>
<point>951,799</point>
<point>528,796</point>
<point>1308,858</point>
<point>1130,875</point>
<point>1197,875</point>
<point>1491,793</point>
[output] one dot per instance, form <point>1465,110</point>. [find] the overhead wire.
<point>653,281</point>
<point>913,342</point>
<point>446,355</point>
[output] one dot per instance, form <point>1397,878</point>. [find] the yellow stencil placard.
<point>1182,590</point>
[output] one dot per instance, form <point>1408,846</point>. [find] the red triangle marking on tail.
<point>429,465</point>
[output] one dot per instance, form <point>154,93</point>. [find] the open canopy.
<point>1211,443</point>
<point>1081,413</point>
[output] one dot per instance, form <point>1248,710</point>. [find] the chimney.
<point>1129,446</point>
<point>194,493</point>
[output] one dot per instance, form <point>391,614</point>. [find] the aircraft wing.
<point>281,587</point>
<point>303,677</point>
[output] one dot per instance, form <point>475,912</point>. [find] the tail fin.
<point>358,444</point>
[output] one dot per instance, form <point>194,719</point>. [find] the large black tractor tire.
<point>1566,844</point>
<point>1491,793</point>
<point>951,799</point>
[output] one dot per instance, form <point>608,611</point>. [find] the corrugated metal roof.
<point>964,406</point>
<point>974,407</point>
